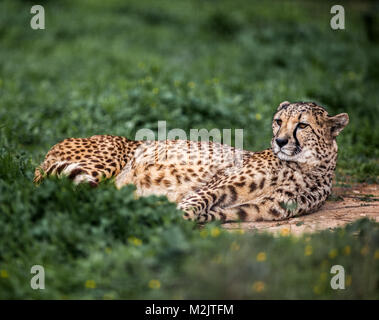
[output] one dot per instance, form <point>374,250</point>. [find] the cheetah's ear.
<point>337,123</point>
<point>283,105</point>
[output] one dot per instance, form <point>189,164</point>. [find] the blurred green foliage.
<point>102,243</point>
<point>115,67</point>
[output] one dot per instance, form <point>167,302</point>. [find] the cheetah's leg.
<point>73,171</point>
<point>274,207</point>
<point>224,203</point>
<point>204,204</point>
<point>243,212</point>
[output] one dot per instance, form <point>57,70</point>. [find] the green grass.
<point>117,67</point>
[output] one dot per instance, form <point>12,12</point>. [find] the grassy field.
<point>115,67</point>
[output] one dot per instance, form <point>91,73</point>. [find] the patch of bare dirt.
<point>346,205</point>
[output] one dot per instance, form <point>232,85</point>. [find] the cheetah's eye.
<point>302,125</point>
<point>279,122</point>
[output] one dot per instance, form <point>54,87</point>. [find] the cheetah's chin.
<point>284,156</point>
<point>301,157</point>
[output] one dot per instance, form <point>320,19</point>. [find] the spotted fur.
<point>211,181</point>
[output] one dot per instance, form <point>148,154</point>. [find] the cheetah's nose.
<point>281,142</point>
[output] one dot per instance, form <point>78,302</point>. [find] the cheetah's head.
<point>304,132</point>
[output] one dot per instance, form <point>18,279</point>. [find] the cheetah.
<point>211,181</point>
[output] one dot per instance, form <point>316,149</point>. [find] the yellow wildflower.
<point>238,231</point>
<point>258,286</point>
<point>284,232</point>
<point>191,84</point>
<point>258,116</point>
<point>215,232</point>
<point>349,280</point>
<point>261,256</point>
<point>364,250</point>
<point>154,284</point>
<point>347,250</point>
<point>308,250</point>
<point>90,284</point>
<point>137,242</point>
<point>204,233</point>
<point>333,253</point>
<point>155,90</point>
<point>4,274</point>
<point>317,289</point>
<point>376,254</point>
